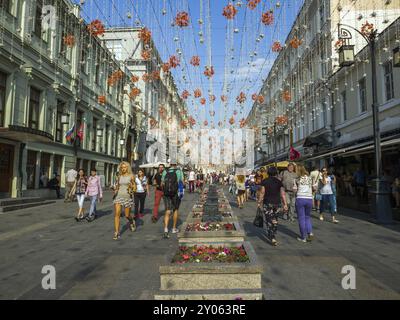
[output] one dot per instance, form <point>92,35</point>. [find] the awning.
<point>25,134</point>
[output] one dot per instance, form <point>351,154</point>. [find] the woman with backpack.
<point>142,189</point>
<point>124,191</point>
<point>79,189</point>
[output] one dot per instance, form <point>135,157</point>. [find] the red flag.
<point>80,132</point>
<point>294,154</point>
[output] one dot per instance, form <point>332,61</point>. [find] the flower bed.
<point>210,226</point>
<point>210,253</point>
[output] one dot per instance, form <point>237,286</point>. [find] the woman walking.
<point>325,189</point>
<point>79,189</point>
<point>303,189</point>
<point>240,190</point>
<point>142,189</point>
<point>124,191</point>
<point>95,193</point>
<point>272,197</point>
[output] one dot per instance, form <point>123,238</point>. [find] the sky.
<point>239,49</point>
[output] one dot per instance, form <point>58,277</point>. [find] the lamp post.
<point>381,190</point>
<point>122,142</point>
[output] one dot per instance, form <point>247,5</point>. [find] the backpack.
<point>171,183</point>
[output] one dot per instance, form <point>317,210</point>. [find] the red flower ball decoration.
<point>146,77</point>
<point>192,121</point>
<point>182,19</point>
<point>252,4</point>
<point>166,67</point>
<point>242,123</point>
<point>286,96</point>
<point>145,35</point>
<point>134,79</point>
<point>195,61</point>
<point>260,99</point>
<point>174,61</point>
<point>229,11</point>
<point>96,28</point>
<point>281,120</point>
<point>101,100</point>
<point>224,98</point>
<point>203,101</point>
<point>183,124</point>
<point>115,77</point>
<point>69,40</point>
<point>241,98</point>
<point>367,28</point>
<point>268,18</point>
<point>232,120</point>
<point>146,54</point>
<point>155,75</point>
<point>134,93</point>
<point>276,46</point>
<point>185,94</point>
<point>209,72</point>
<point>197,93</point>
<point>212,97</point>
<point>295,42</point>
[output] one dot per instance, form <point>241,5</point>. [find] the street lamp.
<point>122,142</point>
<point>381,190</point>
<point>346,55</point>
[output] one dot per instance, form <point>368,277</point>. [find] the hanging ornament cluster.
<point>155,75</point>
<point>268,18</point>
<point>212,97</point>
<point>145,35</point>
<point>166,67</point>
<point>241,98</point>
<point>276,46</point>
<point>367,28</point>
<point>281,120</point>
<point>203,101</point>
<point>229,11</point>
<point>197,93</point>
<point>183,124</point>
<point>153,123</point>
<point>174,61</point>
<point>286,96</point>
<point>135,79</point>
<point>185,94</point>
<point>192,121</point>
<point>146,77</point>
<point>134,93</point>
<point>212,113</point>
<point>115,77</point>
<point>182,19</point>
<point>146,54</point>
<point>195,61</point>
<point>69,40</point>
<point>252,4</point>
<point>242,122</point>
<point>339,44</point>
<point>205,123</point>
<point>96,28</point>
<point>162,111</point>
<point>209,71</point>
<point>224,98</point>
<point>258,98</point>
<point>101,100</point>
<point>232,120</point>
<point>295,42</point>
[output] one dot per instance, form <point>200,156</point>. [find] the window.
<point>389,91</point>
<point>321,13</point>
<point>106,138</point>
<point>38,18</point>
<point>94,134</point>
<point>363,94</point>
<point>97,67</point>
<point>84,57</point>
<point>344,105</point>
<point>5,5</point>
<point>31,169</point>
<point>116,145</point>
<point>59,125</point>
<point>34,108</point>
<point>3,82</point>
<point>45,174</point>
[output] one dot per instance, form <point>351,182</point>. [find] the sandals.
<point>116,236</point>
<point>132,226</point>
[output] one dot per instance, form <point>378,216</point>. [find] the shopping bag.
<point>259,219</point>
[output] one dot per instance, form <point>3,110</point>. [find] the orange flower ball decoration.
<point>367,28</point>
<point>268,18</point>
<point>183,124</point>
<point>252,4</point>
<point>242,123</point>
<point>166,67</point>
<point>69,40</point>
<point>286,96</point>
<point>295,42</point>
<point>101,99</point>
<point>224,98</point>
<point>146,77</point>
<point>195,61</point>
<point>197,93</point>
<point>185,94</point>
<point>153,123</point>
<point>146,54</point>
<point>155,75</point>
<point>232,120</point>
<point>145,35</point>
<point>241,98</point>
<point>134,93</point>
<point>229,11</point>
<point>182,19</point>
<point>174,62</point>
<point>134,79</point>
<point>281,120</point>
<point>209,72</point>
<point>96,28</point>
<point>203,101</point>
<point>212,97</point>
<point>192,121</point>
<point>115,77</point>
<point>276,46</point>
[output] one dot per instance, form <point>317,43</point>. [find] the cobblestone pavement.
<point>90,265</point>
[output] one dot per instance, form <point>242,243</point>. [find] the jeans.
<point>191,186</point>
<point>157,199</point>
<point>291,203</point>
<point>81,199</point>
<point>334,204</point>
<point>93,200</point>
<point>303,208</point>
<point>327,200</point>
<point>140,197</point>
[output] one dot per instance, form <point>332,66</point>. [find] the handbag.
<point>259,219</point>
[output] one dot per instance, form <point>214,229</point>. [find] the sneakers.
<point>175,230</point>
<point>301,240</point>
<point>335,221</point>
<point>321,217</point>
<point>132,226</point>
<point>116,236</point>
<point>310,237</point>
<point>90,218</point>
<point>166,235</point>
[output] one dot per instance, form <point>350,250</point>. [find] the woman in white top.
<point>326,191</point>
<point>142,189</point>
<point>303,188</point>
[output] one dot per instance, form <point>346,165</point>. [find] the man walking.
<point>158,192</point>
<point>69,183</point>
<point>289,176</point>
<point>192,178</point>
<point>170,181</point>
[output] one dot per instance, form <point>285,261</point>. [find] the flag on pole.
<point>294,154</point>
<point>80,132</point>
<point>70,134</point>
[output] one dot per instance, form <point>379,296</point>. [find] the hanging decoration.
<point>281,120</point>
<point>295,42</point>
<point>183,124</point>
<point>232,120</point>
<point>182,19</point>
<point>166,67</point>
<point>205,123</point>
<point>162,111</point>
<point>286,96</point>
<point>195,61</point>
<point>276,46</point>
<point>258,98</point>
<point>135,79</point>
<point>153,123</point>
<point>155,75</point>
<point>212,97</point>
<point>192,121</point>
<point>96,28</point>
<point>212,113</point>
<point>229,11</point>
<point>252,4</point>
<point>134,93</point>
<point>242,122</point>
<point>224,98</point>
<point>268,18</point>
<point>174,61</point>
<point>101,100</point>
<point>197,93</point>
<point>146,54</point>
<point>145,35</point>
<point>241,98</point>
<point>203,101</point>
<point>185,94</point>
<point>209,72</point>
<point>146,77</point>
<point>69,40</point>
<point>115,77</point>
<point>339,43</point>
<point>367,28</point>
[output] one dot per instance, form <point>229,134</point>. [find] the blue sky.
<point>246,54</point>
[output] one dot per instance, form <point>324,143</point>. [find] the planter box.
<point>214,275</point>
<point>211,236</point>
<point>228,219</point>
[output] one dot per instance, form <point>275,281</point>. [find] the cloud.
<point>253,69</point>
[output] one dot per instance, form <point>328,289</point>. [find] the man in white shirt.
<point>192,179</point>
<point>70,177</point>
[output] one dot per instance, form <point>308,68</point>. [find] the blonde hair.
<point>240,178</point>
<point>301,171</point>
<point>129,171</point>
